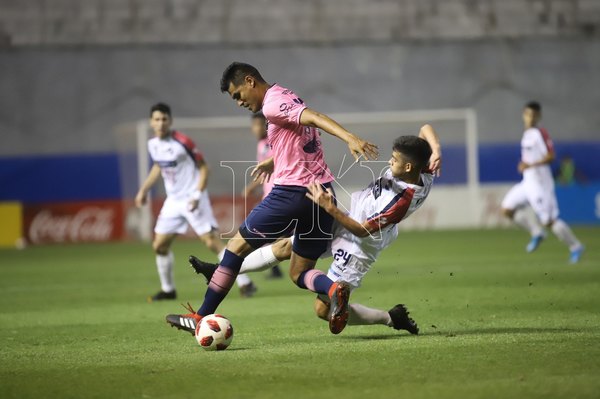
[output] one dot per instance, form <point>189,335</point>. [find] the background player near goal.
<point>537,187</point>
<point>369,228</point>
<point>185,176</point>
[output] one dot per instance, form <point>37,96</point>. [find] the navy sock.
<point>221,282</point>
<point>315,281</point>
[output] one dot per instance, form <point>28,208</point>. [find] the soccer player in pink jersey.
<point>185,175</point>
<point>297,162</point>
<point>537,187</point>
<point>263,152</point>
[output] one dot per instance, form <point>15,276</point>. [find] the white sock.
<point>361,315</point>
<point>164,264</point>
<point>523,219</point>
<point>259,260</point>
<point>565,234</point>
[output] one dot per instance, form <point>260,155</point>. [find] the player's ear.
<point>408,167</point>
<point>250,81</point>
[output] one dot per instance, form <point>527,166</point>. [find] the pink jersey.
<point>297,150</point>
<point>263,152</point>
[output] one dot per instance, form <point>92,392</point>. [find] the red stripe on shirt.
<point>189,145</point>
<point>395,213</point>
<point>547,139</point>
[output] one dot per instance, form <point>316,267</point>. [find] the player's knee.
<point>282,249</point>
<point>321,309</point>
<point>509,213</point>
<point>160,248</point>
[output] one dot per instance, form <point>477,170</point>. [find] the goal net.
<point>230,150</point>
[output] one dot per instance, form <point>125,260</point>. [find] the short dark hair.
<point>258,115</point>
<point>415,149</point>
<point>534,105</point>
<point>160,107</point>
<point>236,72</point>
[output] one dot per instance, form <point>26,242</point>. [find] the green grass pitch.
<point>495,323</point>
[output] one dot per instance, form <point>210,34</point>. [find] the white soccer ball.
<point>214,332</point>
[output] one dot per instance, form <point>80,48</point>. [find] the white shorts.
<point>345,266</point>
<point>542,200</point>
<point>174,217</point>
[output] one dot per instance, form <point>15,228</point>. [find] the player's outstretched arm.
<point>325,200</point>
<point>142,194</point>
<point>428,134</point>
<point>358,147</point>
<point>204,171</point>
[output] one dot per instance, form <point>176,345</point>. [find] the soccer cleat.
<point>534,243</point>
<point>401,321</point>
<point>162,295</point>
<point>576,255</point>
<point>204,268</point>
<point>248,290</point>
<point>186,322</point>
<point>338,309</point>
<point>275,273</point>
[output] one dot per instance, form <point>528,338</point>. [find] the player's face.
<point>160,123</point>
<point>530,117</point>
<point>246,95</point>
<point>399,165</point>
<point>259,128</point>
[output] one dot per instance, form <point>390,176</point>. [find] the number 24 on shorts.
<point>341,255</point>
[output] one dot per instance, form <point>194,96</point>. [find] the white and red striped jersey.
<point>383,204</point>
<point>177,157</point>
<point>535,145</point>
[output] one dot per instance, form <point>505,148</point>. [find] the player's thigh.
<point>347,267</point>
<point>543,202</point>
<point>171,219</point>
<point>313,233</point>
<point>515,198</point>
<point>300,264</point>
<point>274,217</point>
<point>202,219</point>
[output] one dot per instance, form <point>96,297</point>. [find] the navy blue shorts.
<point>286,211</point>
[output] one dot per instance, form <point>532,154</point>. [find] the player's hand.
<point>522,166</point>
<point>193,205</point>
<point>263,171</point>
<point>325,199</point>
<point>359,147</point>
<point>140,199</point>
<point>435,164</point>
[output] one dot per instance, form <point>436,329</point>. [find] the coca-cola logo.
<point>87,224</point>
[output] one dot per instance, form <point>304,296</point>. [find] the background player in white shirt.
<point>369,227</point>
<point>185,175</point>
<point>537,187</point>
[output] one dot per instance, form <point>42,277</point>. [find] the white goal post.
<point>233,130</point>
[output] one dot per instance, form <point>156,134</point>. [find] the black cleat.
<point>204,268</point>
<point>275,273</point>
<point>186,322</point>
<point>162,296</point>
<point>338,310</point>
<point>401,321</point>
<point>248,290</point>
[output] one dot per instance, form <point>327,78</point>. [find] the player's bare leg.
<point>360,315</point>
<point>304,275</point>
<point>217,246</point>
<point>164,264</point>
<point>521,218</point>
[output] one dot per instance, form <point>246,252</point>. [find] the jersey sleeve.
<point>546,143</point>
<point>189,145</point>
<point>150,151</point>
<point>284,110</point>
<point>394,211</point>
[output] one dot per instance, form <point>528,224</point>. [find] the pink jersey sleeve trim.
<point>189,145</point>
<point>394,212</point>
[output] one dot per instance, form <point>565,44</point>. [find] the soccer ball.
<point>214,332</point>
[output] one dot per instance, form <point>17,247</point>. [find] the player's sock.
<point>259,260</point>
<point>565,234</point>
<point>243,280</point>
<point>315,281</point>
<point>361,315</point>
<point>164,264</point>
<point>522,219</point>
<point>221,282</point>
